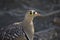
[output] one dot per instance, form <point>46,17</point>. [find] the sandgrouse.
<point>20,30</point>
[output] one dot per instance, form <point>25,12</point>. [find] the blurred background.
<point>47,27</point>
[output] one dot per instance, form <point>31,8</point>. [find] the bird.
<point>20,30</point>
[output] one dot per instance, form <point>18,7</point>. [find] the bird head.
<point>30,14</point>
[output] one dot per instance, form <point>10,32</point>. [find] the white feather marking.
<point>35,12</point>
<point>17,23</point>
<point>31,23</point>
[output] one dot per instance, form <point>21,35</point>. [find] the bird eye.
<point>30,12</point>
<point>33,12</point>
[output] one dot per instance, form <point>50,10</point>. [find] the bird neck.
<point>28,19</point>
<point>28,27</point>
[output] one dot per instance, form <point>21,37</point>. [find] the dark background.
<point>14,10</point>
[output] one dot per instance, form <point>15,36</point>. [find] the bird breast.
<point>31,23</point>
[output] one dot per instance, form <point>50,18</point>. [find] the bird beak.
<point>38,14</point>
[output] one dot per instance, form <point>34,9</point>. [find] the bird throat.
<point>31,23</point>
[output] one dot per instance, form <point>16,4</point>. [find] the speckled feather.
<point>11,32</point>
